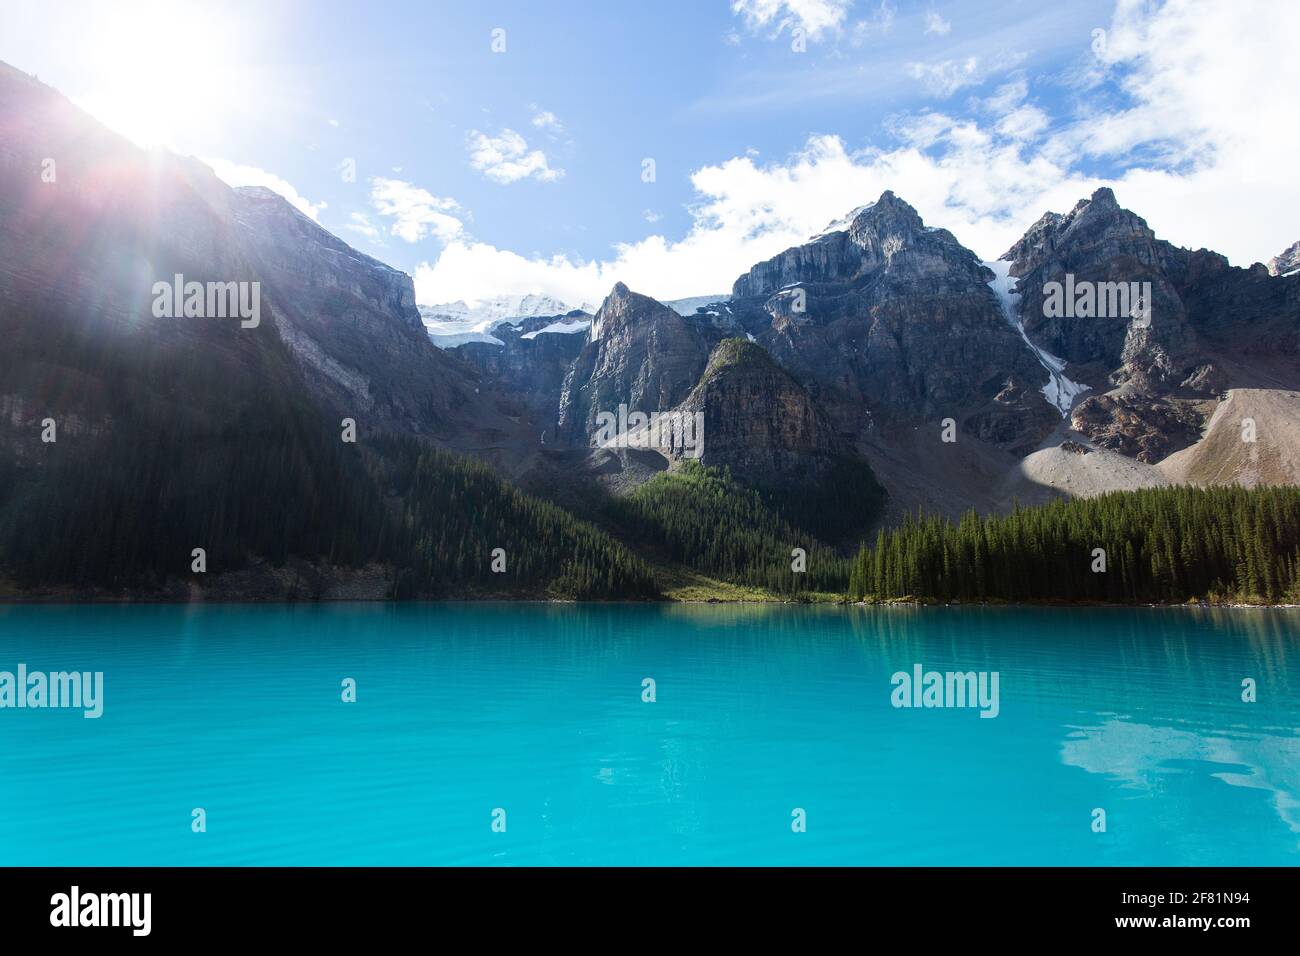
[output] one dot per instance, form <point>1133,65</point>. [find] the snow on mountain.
<point>839,225</point>
<point>1059,390</point>
<point>690,305</point>
<point>1286,264</point>
<point>564,328</point>
<point>450,324</point>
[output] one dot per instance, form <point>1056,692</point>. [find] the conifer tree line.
<point>838,509</point>
<point>1159,545</point>
<point>702,517</point>
<point>455,512</point>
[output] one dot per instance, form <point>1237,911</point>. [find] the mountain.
<point>130,437</point>
<point>889,318</point>
<point>639,354</point>
<point>1287,263</point>
<point>351,321</point>
<point>1206,327</point>
<point>881,328</point>
<point>758,421</point>
<point>523,364</point>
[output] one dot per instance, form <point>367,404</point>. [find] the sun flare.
<point>165,74</point>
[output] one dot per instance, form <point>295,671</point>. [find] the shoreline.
<point>68,601</point>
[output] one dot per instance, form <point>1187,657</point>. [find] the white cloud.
<point>1023,123</point>
<point>234,174</point>
<point>651,216</point>
<point>416,213</point>
<point>360,223</point>
<point>879,24</point>
<point>814,17</point>
<point>949,76</point>
<point>505,158</point>
<point>749,212</point>
<point>1202,83</point>
<point>545,119</point>
<point>1007,97</point>
<point>934,23</point>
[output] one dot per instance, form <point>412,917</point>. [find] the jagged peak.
<point>859,217</point>
<point>621,297</point>
<point>1104,195</point>
<point>1101,202</point>
<point>1287,262</point>
<point>622,304</point>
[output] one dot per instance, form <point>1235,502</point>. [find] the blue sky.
<point>485,172</point>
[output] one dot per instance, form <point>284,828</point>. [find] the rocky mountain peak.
<point>1286,263</point>
<point>886,214</point>
<point>302,251</point>
<point>1102,198</point>
<point>622,306</point>
<point>639,353</point>
<point>881,236</point>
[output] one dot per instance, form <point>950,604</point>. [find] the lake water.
<point>537,710</point>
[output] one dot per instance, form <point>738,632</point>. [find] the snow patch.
<point>450,340</point>
<point>840,225</point>
<point>690,305</point>
<point>1059,391</point>
<point>563,328</point>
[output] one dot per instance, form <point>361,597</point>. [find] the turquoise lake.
<point>537,709</point>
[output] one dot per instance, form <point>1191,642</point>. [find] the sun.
<point>166,74</point>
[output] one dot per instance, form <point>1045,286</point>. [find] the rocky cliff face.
<point>639,353</point>
<point>1287,262</point>
<point>526,365</point>
<point>888,317</point>
<point>1094,246</point>
<point>1200,323</point>
<point>758,421</point>
<point>352,321</point>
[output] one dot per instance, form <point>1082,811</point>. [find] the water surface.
<point>537,709</point>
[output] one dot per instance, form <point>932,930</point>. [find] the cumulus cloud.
<point>1215,157</point>
<point>749,212</point>
<point>814,17</point>
<point>415,212</point>
<point>506,158</point>
<point>234,174</point>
